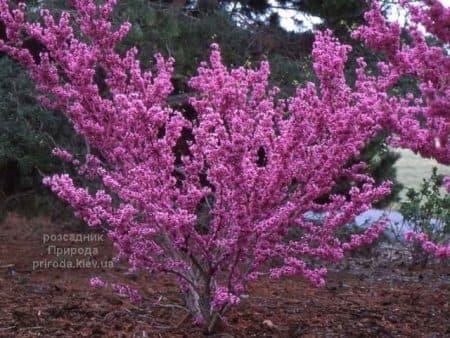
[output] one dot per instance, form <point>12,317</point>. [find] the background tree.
<point>28,133</point>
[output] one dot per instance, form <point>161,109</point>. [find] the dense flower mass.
<point>420,124</point>
<point>216,213</point>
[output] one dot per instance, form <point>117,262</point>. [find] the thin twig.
<point>7,266</point>
<point>177,306</point>
<point>7,328</point>
<point>31,328</point>
<point>182,320</point>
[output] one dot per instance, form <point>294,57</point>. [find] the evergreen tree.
<point>28,133</point>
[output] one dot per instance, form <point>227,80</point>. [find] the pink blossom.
<point>428,64</point>
<point>439,250</point>
<point>97,282</point>
<point>421,124</point>
<point>127,291</point>
<point>447,183</point>
<point>222,296</point>
<point>429,246</point>
<point>63,154</point>
<point>409,236</point>
<point>257,163</point>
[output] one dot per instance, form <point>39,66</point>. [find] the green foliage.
<point>28,133</point>
<point>428,209</point>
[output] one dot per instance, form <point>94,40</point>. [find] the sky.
<point>287,17</point>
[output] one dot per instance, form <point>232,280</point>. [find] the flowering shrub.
<point>428,213</point>
<point>256,162</point>
<point>421,124</point>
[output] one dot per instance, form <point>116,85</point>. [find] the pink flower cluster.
<point>256,163</point>
<point>96,282</point>
<point>370,236</point>
<point>422,125</point>
<point>123,290</point>
<point>126,291</point>
<point>63,154</point>
<point>439,250</point>
<point>223,297</point>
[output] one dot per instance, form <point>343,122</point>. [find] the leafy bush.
<point>427,211</point>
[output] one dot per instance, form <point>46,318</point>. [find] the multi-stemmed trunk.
<point>198,302</point>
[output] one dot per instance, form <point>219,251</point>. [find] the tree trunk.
<point>200,308</point>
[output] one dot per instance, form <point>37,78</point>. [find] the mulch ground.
<point>377,295</point>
